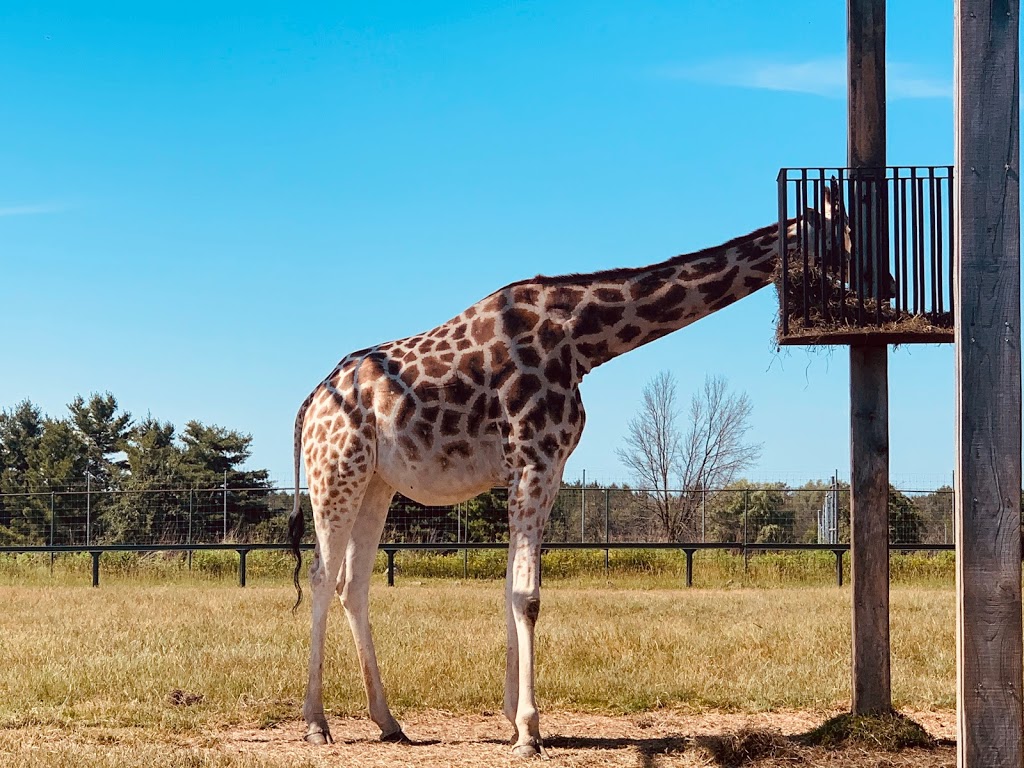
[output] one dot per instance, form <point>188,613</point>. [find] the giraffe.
<point>489,398</point>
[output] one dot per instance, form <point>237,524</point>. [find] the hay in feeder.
<point>835,314</point>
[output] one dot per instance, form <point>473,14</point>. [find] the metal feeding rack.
<point>866,255</point>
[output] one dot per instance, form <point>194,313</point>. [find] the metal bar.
<point>878,272</point>
<point>912,183</point>
<point>893,207</point>
<point>925,245</point>
<point>802,217</point>
<point>859,245</point>
<point>95,566</point>
<point>440,547</point>
<point>583,507</point>
<point>689,566</point>
<point>607,507</point>
<point>783,185</point>
<point>839,566</point>
<point>88,506</point>
<point>821,235</point>
<point>52,555</point>
<point>391,566</point>
<point>932,265</point>
<point>905,286</point>
<point>836,245</point>
<point>937,245</point>
<point>952,239</point>
<point>746,505</point>
<point>843,261</point>
<point>225,536</point>
<point>241,566</point>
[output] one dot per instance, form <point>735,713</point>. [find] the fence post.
<point>606,531</point>
<point>190,527</point>
<point>703,514</point>
<point>839,566</point>
<point>95,567</point>
<point>391,566</point>
<point>52,554</point>
<point>463,536</point>
<point>88,507</point>
<point>746,504</point>
<point>225,535</point>
<point>241,566</point>
<point>689,566</point>
<point>583,508</point>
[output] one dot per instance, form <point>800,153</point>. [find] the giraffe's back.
<point>446,414</point>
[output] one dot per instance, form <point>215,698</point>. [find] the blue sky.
<point>204,206</point>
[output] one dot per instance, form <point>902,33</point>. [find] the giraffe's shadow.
<point>646,748</point>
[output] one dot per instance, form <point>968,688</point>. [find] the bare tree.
<point>654,452</point>
<point>677,467</point>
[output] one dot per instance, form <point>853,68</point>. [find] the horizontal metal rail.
<point>688,548</point>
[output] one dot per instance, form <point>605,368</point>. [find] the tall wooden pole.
<point>988,384</point>
<point>869,377</point>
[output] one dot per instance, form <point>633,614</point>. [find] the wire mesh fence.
<point>590,515</point>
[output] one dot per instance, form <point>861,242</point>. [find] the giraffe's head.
<point>823,228</point>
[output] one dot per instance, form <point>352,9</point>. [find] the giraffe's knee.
<point>351,600</point>
<point>316,570</point>
<point>528,606</point>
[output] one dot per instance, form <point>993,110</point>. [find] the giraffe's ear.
<point>832,191</point>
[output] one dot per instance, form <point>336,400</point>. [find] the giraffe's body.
<point>490,398</point>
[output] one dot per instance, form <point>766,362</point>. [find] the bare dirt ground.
<point>658,739</point>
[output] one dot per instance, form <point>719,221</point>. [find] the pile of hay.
<point>839,321</point>
<point>747,745</point>
<point>889,732</point>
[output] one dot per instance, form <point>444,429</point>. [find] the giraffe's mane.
<point>625,273</point>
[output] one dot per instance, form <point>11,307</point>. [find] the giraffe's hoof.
<point>527,751</point>
<point>396,737</point>
<point>318,736</point>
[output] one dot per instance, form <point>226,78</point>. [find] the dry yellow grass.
<point>78,663</point>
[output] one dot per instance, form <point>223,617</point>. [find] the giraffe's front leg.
<point>530,501</point>
<point>511,703</point>
<point>525,556</point>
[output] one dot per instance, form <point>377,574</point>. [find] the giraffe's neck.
<point>624,309</point>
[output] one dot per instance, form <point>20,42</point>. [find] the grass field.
<point>156,667</point>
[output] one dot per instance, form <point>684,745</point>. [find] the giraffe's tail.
<point>296,521</point>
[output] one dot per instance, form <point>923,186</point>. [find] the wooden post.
<point>869,381</point>
<point>988,384</point>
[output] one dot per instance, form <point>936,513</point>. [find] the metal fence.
<point>584,515</point>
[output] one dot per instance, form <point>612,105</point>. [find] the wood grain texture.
<point>865,71</point>
<point>869,528</point>
<point>988,384</point>
<point>869,388</point>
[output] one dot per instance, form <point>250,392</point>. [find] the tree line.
<point>169,484</point>
<point>101,447</point>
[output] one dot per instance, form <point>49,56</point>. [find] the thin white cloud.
<point>820,77</point>
<point>30,210</point>
<point>904,82</point>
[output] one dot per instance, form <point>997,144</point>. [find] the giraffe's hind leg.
<point>355,597</point>
<point>336,505</point>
